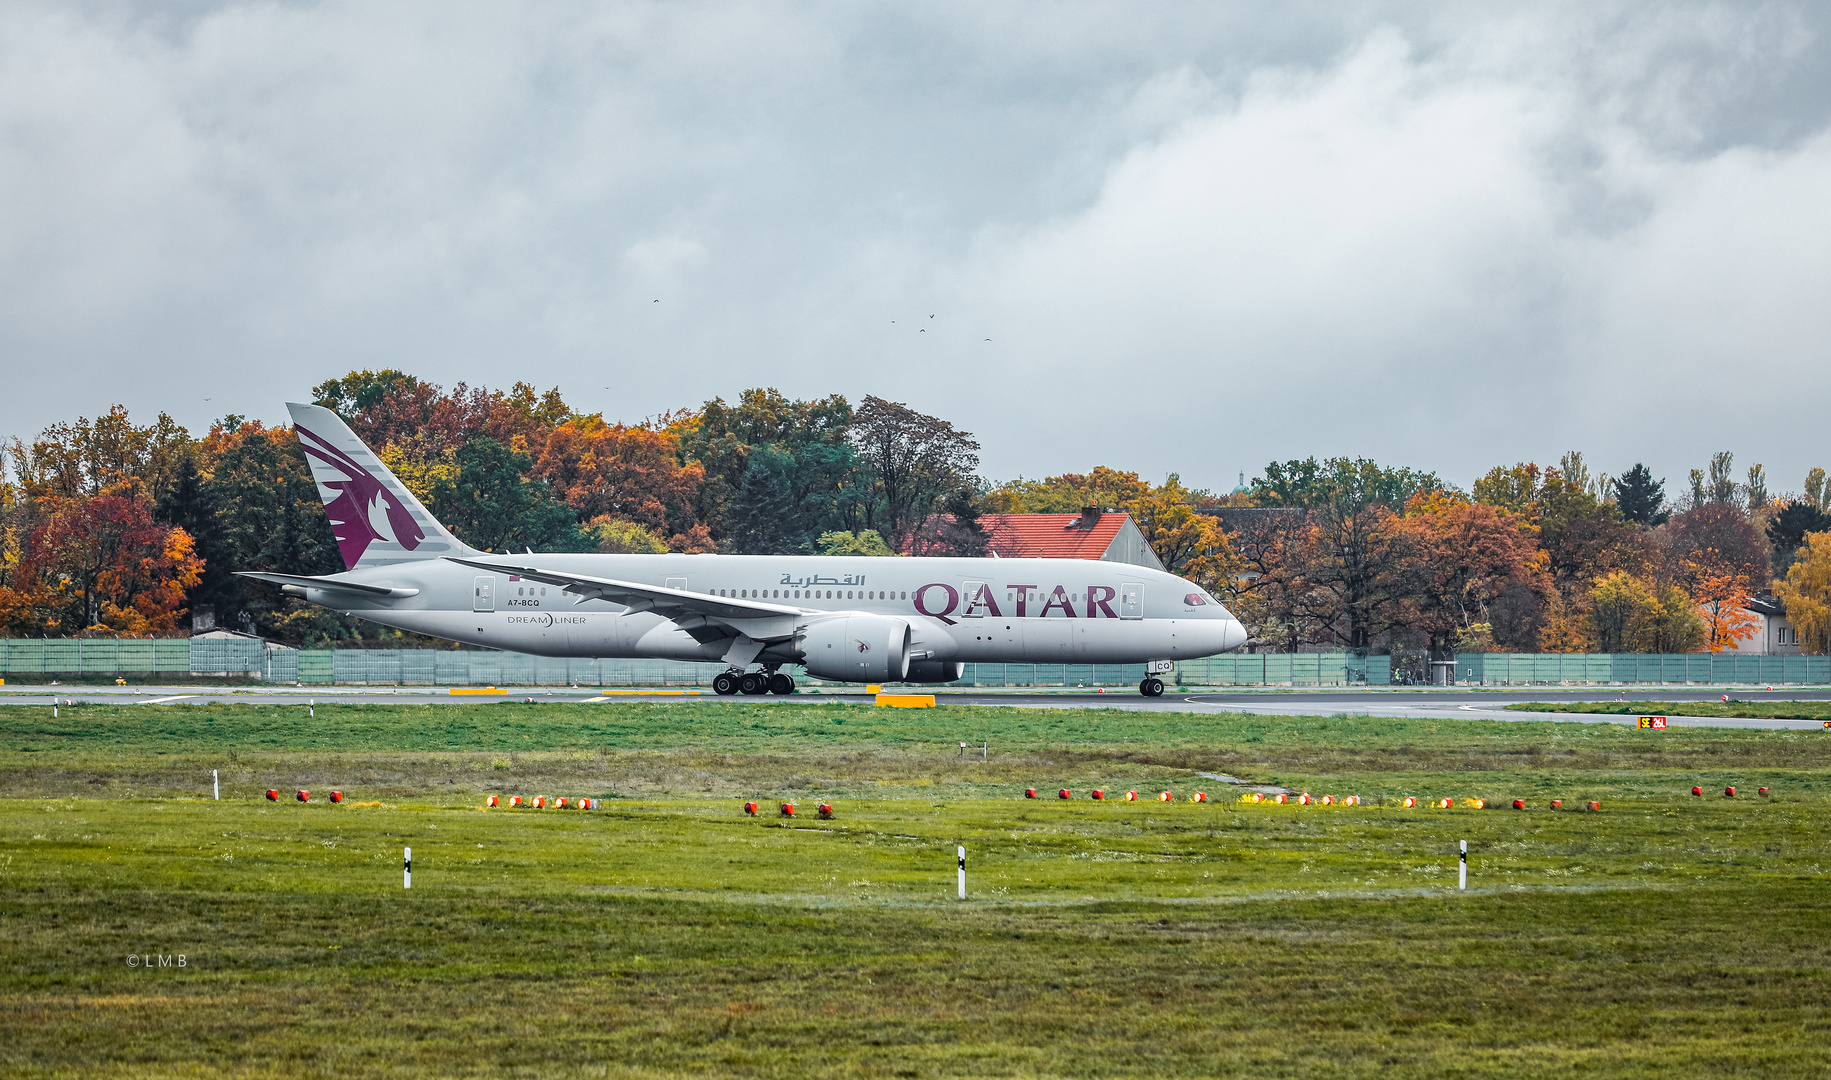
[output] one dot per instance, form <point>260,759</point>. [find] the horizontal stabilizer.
<point>328,583</point>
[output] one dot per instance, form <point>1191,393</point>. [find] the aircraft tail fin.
<point>376,519</point>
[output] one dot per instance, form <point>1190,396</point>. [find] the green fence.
<point>97,656</point>
<point>1719,669</point>
<point>29,657</point>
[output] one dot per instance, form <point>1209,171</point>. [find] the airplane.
<point>840,618</point>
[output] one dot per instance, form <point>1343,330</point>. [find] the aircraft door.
<point>1131,601</point>
<point>679,584</point>
<point>976,600</point>
<point>483,597</point>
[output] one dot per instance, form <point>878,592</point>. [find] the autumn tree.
<point>1718,534</point>
<point>392,408</point>
<point>88,457</point>
<point>920,466</point>
<point>1336,577</point>
<point>1634,614</point>
<point>867,543</point>
<point>1461,558</point>
<point>616,537</point>
<point>1806,592</point>
<point>625,472</point>
<point>490,504</point>
<point>1069,493</point>
<point>809,446</point>
<point>105,566</point>
<point>1788,528</point>
<point>1189,543</point>
<point>1721,596</point>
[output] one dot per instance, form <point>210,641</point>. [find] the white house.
<point>1776,636</point>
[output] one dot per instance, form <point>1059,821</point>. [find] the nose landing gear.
<point>1152,686</point>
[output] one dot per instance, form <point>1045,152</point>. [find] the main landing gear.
<point>768,681</point>
<point>1152,686</point>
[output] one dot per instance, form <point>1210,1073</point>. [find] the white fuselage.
<point>984,610</point>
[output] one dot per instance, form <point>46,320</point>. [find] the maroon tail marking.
<point>349,510</point>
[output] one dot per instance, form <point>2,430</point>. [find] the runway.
<point>1449,703</point>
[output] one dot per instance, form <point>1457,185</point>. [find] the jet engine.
<point>857,648</point>
<point>934,671</point>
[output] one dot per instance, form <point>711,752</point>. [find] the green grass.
<point>1763,710</point>
<point>669,934</point>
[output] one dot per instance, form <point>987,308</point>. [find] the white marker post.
<point>1462,875</point>
<point>962,852</point>
<point>216,787</point>
<point>407,869</point>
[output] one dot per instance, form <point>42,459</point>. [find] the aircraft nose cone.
<point>1233,635</point>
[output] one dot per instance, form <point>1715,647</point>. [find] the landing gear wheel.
<point>726,683</point>
<point>1152,686</point>
<point>781,685</point>
<point>754,683</point>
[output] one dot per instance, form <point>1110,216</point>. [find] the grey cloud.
<point>1199,237</point>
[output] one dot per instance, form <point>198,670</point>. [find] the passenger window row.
<point>810,594</point>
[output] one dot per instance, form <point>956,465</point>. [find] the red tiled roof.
<point>1050,536</point>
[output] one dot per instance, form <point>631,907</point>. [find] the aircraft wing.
<point>327,583</point>
<point>674,604</point>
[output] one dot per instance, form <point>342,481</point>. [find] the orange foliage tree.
<point>103,565</point>
<point>625,473</point>
<point>1720,594</point>
<point>1460,557</point>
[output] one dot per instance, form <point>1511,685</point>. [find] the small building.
<point>1110,536</point>
<point>1775,637</point>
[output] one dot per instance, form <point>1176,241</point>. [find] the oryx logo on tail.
<point>375,518</point>
<point>360,508</point>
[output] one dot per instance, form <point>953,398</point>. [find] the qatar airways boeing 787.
<point>841,618</point>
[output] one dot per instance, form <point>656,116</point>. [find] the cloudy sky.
<point>1164,237</point>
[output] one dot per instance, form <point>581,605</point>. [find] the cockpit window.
<point>1195,599</point>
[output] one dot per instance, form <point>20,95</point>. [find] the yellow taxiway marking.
<point>477,690</point>
<point>906,701</point>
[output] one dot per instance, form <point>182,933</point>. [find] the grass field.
<point>668,934</point>
<point>1769,710</point>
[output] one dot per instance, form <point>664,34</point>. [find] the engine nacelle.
<point>857,648</point>
<point>935,671</point>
